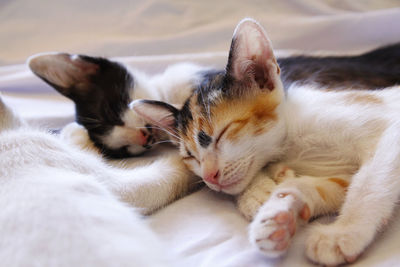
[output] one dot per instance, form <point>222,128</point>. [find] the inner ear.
<point>251,58</point>
<point>156,112</point>
<point>63,71</point>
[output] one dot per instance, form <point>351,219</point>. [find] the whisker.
<point>162,129</point>
<point>198,182</point>
<point>161,142</point>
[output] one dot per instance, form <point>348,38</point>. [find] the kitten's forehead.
<point>207,93</point>
<point>210,88</point>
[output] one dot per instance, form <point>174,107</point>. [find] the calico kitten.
<point>327,150</point>
<point>62,206</point>
<point>102,89</point>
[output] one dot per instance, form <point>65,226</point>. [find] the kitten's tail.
<point>8,118</point>
<point>375,69</point>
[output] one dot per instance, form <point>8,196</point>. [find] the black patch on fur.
<point>376,69</point>
<point>231,57</point>
<point>184,117</point>
<point>108,98</point>
<point>209,82</point>
<point>212,81</point>
<point>149,128</point>
<point>101,100</point>
<point>204,139</point>
<point>112,153</point>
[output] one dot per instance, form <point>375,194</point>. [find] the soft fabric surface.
<point>157,27</point>
<point>204,228</point>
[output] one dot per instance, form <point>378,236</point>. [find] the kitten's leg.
<point>295,199</point>
<point>152,186</point>
<point>147,187</point>
<point>260,189</point>
<point>255,195</point>
<point>8,119</point>
<point>369,203</point>
<point>75,134</point>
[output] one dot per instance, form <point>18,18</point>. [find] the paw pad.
<point>275,224</point>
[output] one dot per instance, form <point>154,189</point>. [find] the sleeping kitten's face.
<point>226,137</point>
<point>231,125</point>
<point>101,90</point>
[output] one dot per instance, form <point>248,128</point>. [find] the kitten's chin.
<point>136,150</point>
<point>233,188</point>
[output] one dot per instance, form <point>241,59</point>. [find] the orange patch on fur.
<point>339,181</point>
<point>254,110</point>
<point>263,108</point>
<point>321,192</point>
<point>189,141</point>
<point>259,130</point>
<point>204,125</point>
<point>190,130</point>
<point>238,126</point>
<point>362,98</point>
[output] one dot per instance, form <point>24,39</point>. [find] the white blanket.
<point>204,228</point>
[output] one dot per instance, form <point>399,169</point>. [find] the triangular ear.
<point>64,72</point>
<point>251,59</point>
<point>158,113</point>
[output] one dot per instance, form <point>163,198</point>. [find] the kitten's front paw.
<point>250,201</point>
<point>77,135</point>
<point>336,244</point>
<point>275,224</point>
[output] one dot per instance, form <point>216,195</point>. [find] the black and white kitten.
<point>102,89</point>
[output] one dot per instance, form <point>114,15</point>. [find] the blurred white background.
<point>157,27</point>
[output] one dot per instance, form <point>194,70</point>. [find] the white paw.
<point>336,244</point>
<point>275,224</point>
<point>77,135</point>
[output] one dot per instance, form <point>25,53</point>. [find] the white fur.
<point>61,206</point>
<point>343,139</point>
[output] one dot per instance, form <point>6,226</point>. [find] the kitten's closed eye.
<point>222,133</point>
<point>189,156</point>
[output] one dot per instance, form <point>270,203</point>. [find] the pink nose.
<point>212,177</point>
<point>142,138</point>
